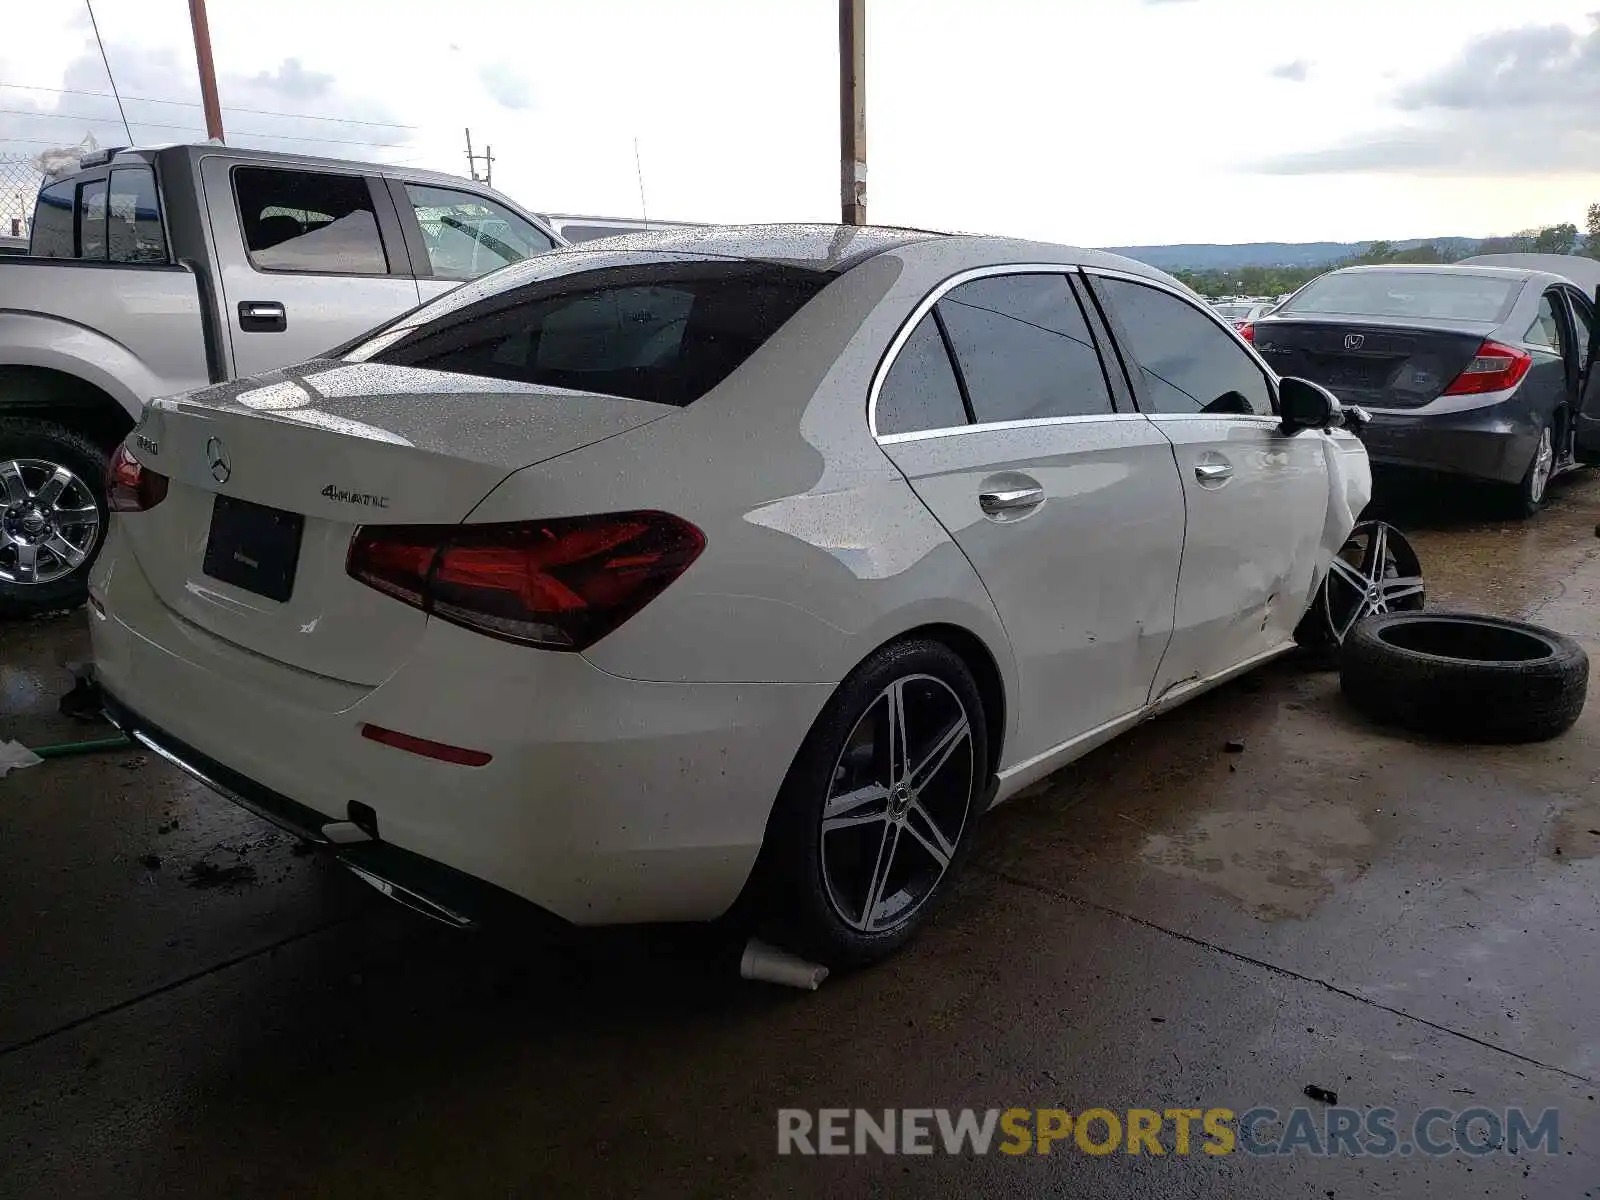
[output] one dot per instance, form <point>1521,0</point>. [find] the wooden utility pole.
<point>853,110</point>
<point>472,162</point>
<point>208,71</point>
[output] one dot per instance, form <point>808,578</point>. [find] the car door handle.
<point>1213,472</point>
<point>262,316</point>
<point>1010,500</point>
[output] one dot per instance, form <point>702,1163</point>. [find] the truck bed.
<point>138,328</point>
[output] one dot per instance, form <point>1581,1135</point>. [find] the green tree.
<point>1556,239</point>
<point>1592,246</point>
<point>1516,244</point>
<point>1426,253</point>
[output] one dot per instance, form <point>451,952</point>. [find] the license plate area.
<point>254,547</point>
<point>1342,372</point>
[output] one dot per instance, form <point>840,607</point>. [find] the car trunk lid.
<point>1379,364</point>
<point>270,477</point>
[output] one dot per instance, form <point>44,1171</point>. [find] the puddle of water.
<point>22,690</point>
<point>1277,860</point>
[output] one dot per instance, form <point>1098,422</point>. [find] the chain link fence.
<point>19,187</point>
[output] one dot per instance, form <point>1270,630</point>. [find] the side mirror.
<point>1306,405</point>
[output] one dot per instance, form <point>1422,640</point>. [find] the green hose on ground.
<point>119,742</point>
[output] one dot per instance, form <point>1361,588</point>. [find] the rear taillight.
<point>131,486</point>
<point>562,584</point>
<point>1247,330</point>
<point>1493,369</point>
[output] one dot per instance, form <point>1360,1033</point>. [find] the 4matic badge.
<point>365,499</point>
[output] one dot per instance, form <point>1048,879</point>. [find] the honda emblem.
<point>1354,341</point>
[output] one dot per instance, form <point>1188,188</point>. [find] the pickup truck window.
<point>92,220</point>
<point>320,224</point>
<point>134,233</point>
<point>52,232</point>
<point>468,236</point>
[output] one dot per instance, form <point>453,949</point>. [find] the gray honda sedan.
<point>1468,369</point>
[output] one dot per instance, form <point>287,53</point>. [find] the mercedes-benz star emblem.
<point>1354,341</point>
<point>217,456</point>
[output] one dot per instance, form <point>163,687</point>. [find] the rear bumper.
<point>607,800</point>
<point>428,887</point>
<point>1494,442</point>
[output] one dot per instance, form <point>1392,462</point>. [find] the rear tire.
<point>1529,496</point>
<point>44,446</point>
<point>857,855</point>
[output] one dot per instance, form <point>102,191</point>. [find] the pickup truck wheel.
<point>52,515</point>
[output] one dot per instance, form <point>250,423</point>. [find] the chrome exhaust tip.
<point>415,901</point>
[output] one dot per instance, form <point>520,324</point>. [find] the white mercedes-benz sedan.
<point>710,564</point>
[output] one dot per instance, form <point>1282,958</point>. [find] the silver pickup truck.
<point>155,271</point>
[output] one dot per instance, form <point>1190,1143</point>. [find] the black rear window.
<point>668,332</point>
<point>1432,294</point>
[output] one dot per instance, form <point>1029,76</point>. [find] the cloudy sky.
<point>1097,122</point>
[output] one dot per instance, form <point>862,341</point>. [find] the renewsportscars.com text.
<point>1374,1132</point>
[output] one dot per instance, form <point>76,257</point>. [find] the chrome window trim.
<point>922,435</point>
<point>924,306</point>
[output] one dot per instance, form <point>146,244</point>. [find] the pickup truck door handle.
<point>1213,472</point>
<point>262,316</point>
<point>1010,500</point>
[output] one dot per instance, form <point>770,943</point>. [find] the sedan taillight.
<point>1495,368</point>
<point>131,486</point>
<point>1247,330</point>
<point>561,584</point>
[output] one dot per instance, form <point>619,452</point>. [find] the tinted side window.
<point>135,234</point>
<point>1188,363</point>
<point>1546,328</point>
<point>92,220</point>
<point>303,221</point>
<point>52,232</point>
<point>920,391</point>
<point>1024,349</point>
<point>469,235</point>
<point>667,333</point>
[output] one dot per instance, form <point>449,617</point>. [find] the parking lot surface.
<point>190,1007</point>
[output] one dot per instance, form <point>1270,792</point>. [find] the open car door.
<point>1586,429</point>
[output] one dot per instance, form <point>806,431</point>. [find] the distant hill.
<point>1202,256</point>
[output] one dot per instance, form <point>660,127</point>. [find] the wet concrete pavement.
<point>1161,925</point>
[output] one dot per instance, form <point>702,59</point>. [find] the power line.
<point>110,78</point>
<point>260,112</point>
<point>286,137</point>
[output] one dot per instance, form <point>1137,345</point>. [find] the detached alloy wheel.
<point>52,516</point>
<point>1376,571</point>
<point>877,814</point>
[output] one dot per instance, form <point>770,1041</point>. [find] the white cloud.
<point>506,84</point>
<point>1108,123</point>
<point>1514,102</point>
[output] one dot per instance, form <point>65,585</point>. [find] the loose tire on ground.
<point>27,438</point>
<point>1465,677</point>
<point>813,884</point>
